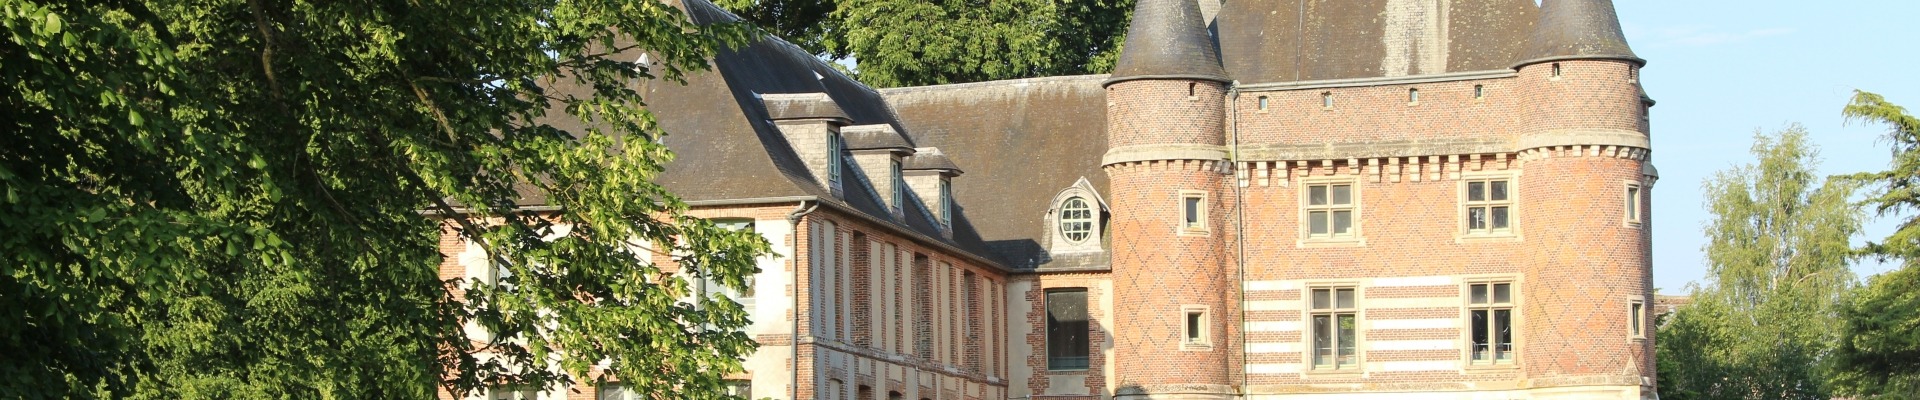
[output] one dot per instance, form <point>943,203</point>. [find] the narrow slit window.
<point>1638,315</point>
<point>1479,91</point>
<point>1196,326</point>
<point>1192,88</point>
<point>1556,70</point>
<point>1413,95</point>
<point>1326,100</point>
<point>1263,103</point>
<point>1633,204</point>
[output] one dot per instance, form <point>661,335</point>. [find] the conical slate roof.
<point>1168,40</point>
<point>1578,29</point>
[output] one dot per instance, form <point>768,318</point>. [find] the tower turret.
<point>1166,161</point>
<point>1585,157</point>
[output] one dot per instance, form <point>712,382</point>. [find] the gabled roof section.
<point>1167,39</point>
<point>1578,29</point>
<point>1020,141</point>
<point>1269,41</point>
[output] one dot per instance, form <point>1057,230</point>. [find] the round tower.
<point>1166,163</point>
<point>1583,216</point>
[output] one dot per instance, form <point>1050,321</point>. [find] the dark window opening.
<point>1491,308</point>
<point>1067,328</point>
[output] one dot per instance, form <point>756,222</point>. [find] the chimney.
<point>811,122</point>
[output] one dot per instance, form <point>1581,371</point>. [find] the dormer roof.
<point>1167,39</point>
<point>1578,29</point>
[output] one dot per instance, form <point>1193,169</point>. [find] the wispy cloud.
<point>1698,36</point>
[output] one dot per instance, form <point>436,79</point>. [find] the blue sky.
<point>1723,69</point>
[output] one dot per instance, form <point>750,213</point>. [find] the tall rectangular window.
<point>1335,322</point>
<point>833,160</point>
<point>1489,206</point>
<point>1067,343</point>
<point>946,203</point>
<point>1197,336</point>
<point>899,187</point>
<point>1638,312</point>
<point>1633,204</point>
<point>1330,210</point>
<point>1490,309</point>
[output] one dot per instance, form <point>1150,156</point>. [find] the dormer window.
<point>1076,220</point>
<point>899,187</point>
<point>833,160</point>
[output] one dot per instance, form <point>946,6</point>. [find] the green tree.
<point>242,199</point>
<point>1777,260</point>
<point>1879,351</point>
<point>913,42</point>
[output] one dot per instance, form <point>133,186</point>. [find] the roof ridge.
<point>1003,82</point>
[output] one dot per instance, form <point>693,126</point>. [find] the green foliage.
<point>913,42</point>
<point>1878,354</point>
<point>1777,254</point>
<point>223,199</point>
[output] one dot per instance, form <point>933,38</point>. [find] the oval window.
<point>1076,219</point>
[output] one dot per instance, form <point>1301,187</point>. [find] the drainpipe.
<point>1240,228</point>
<point>793,340</point>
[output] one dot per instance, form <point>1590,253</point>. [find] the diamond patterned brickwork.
<point>1583,267</point>
<point>1144,112</point>
<point>1158,268</point>
<point>1588,94</point>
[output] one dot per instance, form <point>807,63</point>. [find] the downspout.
<point>793,340</point>
<point>1239,228</point>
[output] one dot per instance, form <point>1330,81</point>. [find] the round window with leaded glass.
<point>1076,220</point>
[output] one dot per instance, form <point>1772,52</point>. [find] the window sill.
<point>1196,347</point>
<point>1311,243</point>
<point>1494,367</point>
<point>1193,232</point>
<point>1489,238</point>
<point>1310,372</point>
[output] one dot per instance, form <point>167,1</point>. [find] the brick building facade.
<point>1433,199</point>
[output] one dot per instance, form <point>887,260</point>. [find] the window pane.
<point>1476,191</point>
<point>1503,293</point>
<point>1193,326</point>
<point>1193,211</point>
<point>1347,328</point>
<point>1476,218</point>
<point>1503,334</point>
<point>1633,203</point>
<point>1497,190</point>
<point>1500,218</point>
<point>1317,195</point>
<point>1342,222</point>
<point>1322,340</point>
<point>1342,194</point>
<point>1481,335</point>
<point>1317,222</point>
<point>1636,319</point>
<point>1067,344</point>
<point>1322,299</point>
<point>1343,298</point>
<point>1479,293</point>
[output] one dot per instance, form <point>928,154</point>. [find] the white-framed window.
<point>1326,100</point>
<point>1193,211</point>
<point>1194,332</point>
<point>1329,209</point>
<point>834,160</point>
<point>1490,307</point>
<point>946,203</point>
<point>1632,203</point>
<point>1637,314</point>
<point>1076,219</point>
<point>1263,103</point>
<point>1413,96</point>
<point>1488,205</point>
<point>1335,319</point>
<point>1479,92</point>
<point>899,186</point>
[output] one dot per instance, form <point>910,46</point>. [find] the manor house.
<point>1266,199</point>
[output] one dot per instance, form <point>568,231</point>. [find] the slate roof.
<point>1168,39</point>
<point>1578,29</point>
<point>1021,142</point>
<point>1265,41</point>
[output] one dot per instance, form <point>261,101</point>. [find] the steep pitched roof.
<point>1264,41</point>
<point>1578,29</point>
<point>1168,39</point>
<point>1021,142</point>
